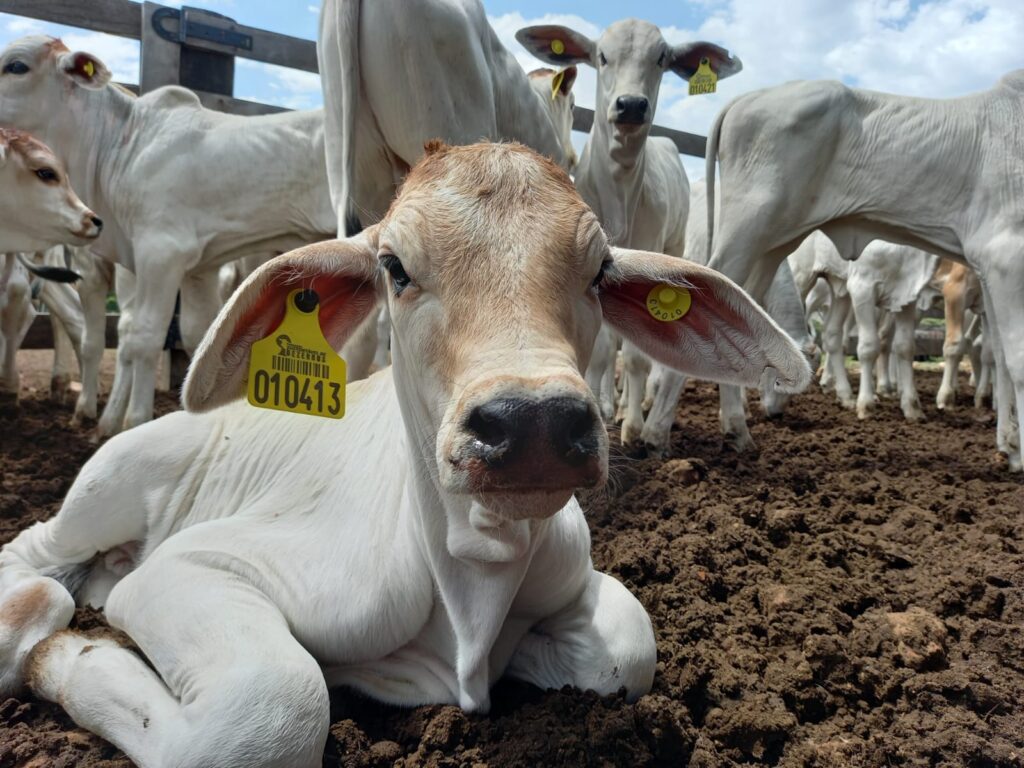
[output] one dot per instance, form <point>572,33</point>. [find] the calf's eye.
<point>596,283</point>
<point>398,274</point>
<point>48,175</point>
<point>602,58</point>
<point>16,68</point>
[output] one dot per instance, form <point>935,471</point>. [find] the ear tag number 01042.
<point>294,369</point>
<point>668,302</point>
<point>704,80</point>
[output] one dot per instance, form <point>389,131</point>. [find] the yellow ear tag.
<point>668,302</point>
<point>89,68</point>
<point>557,47</point>
<point>556,83</point>
<point>294,368</point>
<point>704,80</point>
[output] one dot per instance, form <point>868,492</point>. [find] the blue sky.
<point>937,48</point>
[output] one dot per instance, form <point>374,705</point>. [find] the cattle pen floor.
<point>851,596</point>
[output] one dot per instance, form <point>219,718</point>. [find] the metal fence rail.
<point>197,49</point>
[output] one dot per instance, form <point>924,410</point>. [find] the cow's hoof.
<point>914,416</point>
<point>740,442</point>
<point>50,662</point>
<point>30,611</point>
<point>864,410</point>
<point>848,404</point>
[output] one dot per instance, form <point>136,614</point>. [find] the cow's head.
<point>38,76</point>
<point>40,207</point>
<point>498,276</point>
<point>555,90</point>
<point>630,58</point>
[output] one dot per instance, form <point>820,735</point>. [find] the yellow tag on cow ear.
<point>557,47</point>
<point>668,302</point>
<point>294,369</point>
<point>89,68</point>
<point>556,83</point>
<point>704,80</point>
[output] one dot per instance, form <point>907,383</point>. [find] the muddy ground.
<point>852,596</point>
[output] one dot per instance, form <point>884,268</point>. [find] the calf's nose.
<point>97,222</point>
<point>631,110</point>
<point>508,430</point>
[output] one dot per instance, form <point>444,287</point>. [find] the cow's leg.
<point>636,366</point>
<point>656,434</point>
<point>156,285</point>
<point>15,319</point>
<point>92,291</point>
<point>232,687</point>
<point>1003,285</point>
<point>903,349</point>
<point>983,386</point>
<point>885,371</point>
<point>200,302</point>
<point>952,349</point>
<point>112,419</point>
<point>63,362</point>
<point>865,311</point>
<point>832,337</point>
<point>651,389</point>
<point>602,642</point>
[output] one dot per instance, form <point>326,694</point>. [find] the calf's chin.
<point>535,505</point>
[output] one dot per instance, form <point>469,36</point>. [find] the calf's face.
<point>630,57</point>
<point>498,278</point>
<point>42,210</point>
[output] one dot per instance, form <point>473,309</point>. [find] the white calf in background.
<point>635,184</point>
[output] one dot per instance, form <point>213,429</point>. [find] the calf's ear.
<point>557,45</point>
<point>686,57</point>
<point>722,335</point>
<point>343,273</point>
<point>85,69</point>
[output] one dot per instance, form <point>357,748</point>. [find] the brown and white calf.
<point>416,550</point>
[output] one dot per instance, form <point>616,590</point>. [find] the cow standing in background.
<point>185,188</point>
<point>635,184</point>
<point>862,165</point>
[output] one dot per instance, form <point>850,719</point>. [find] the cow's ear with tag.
<point>686,58</point>
<point>557,45</point>
<point>85,69</point>
<point>698,321</point>
<point>344,275</point>
<point>563,81</point>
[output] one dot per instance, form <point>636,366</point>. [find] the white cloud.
<point>314,9</point>
<point>291,88</point>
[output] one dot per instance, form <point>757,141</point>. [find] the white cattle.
<point>887,278</point>
<point>783,304</point>
<point>635,184</point>
<point>943,175</point>
<point>18,287</point>
<point>185,188</point>
<point>397,74</point>
<point>40,209</point>
<point>416,550</point>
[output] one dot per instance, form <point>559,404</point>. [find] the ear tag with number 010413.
<point>668,302</point>
<point>294,369</point>
<point>704,80</point>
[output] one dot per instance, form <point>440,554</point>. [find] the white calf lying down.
<point>40,209</point>
<point>418,549</point>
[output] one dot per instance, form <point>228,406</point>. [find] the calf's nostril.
<point>97,222</point>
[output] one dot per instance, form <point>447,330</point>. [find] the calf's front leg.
<point>602,642</point>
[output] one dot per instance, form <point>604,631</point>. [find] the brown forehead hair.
<point>21,142</point>
<point>502,226</point>
<point>55,46</point>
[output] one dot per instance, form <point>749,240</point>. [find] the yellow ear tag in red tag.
<point>294,369</point>
<point>89,68</point>
<point>704,80</point>
<point>668,302</point>
<point>557,47</point>
<point>556,83</point>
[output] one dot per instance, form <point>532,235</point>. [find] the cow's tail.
<point>344,15</point>
<point>710,157</point>
<point>53,274</point>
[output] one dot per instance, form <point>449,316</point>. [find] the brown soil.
<point>853,596</point>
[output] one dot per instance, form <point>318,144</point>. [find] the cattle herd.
<point>499,297</point>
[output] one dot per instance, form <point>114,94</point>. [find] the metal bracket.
<point>190,28</point>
